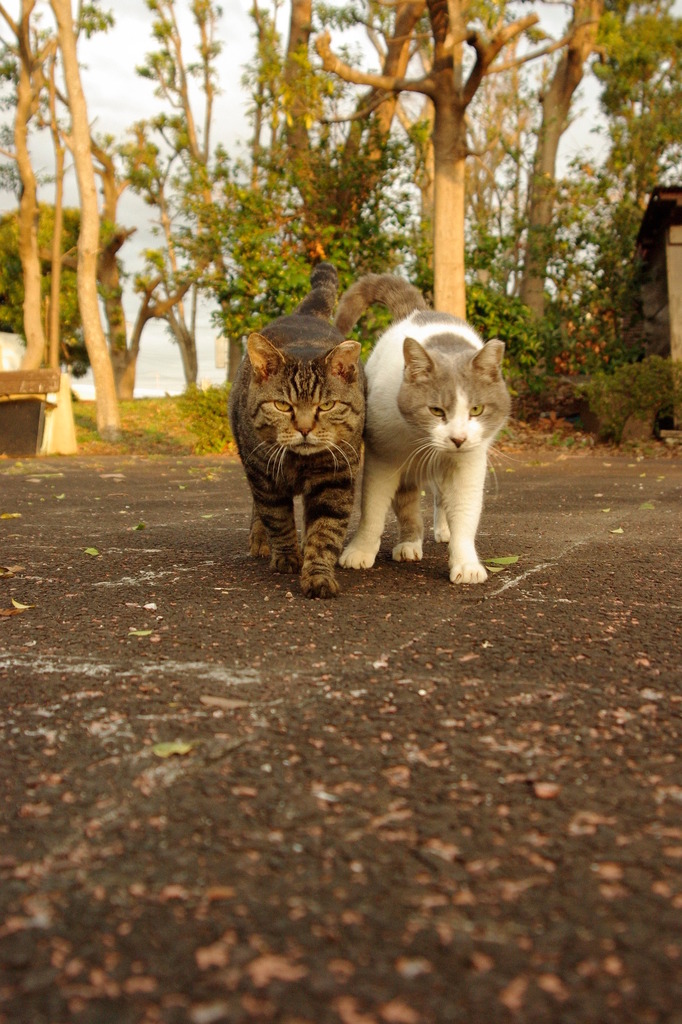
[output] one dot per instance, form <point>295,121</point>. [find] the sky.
<point>117,97</point>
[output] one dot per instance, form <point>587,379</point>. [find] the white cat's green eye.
<point>476,410</point>
<point>436,411</point>
<point>282,406</point>
<point>326,406</point>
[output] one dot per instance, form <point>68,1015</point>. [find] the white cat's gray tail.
<point>399,296</point>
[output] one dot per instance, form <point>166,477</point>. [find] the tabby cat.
<point>435,401</point>
<point>297,409</point>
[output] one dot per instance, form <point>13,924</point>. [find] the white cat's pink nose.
<point>458,441</point>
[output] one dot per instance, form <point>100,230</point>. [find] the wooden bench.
<point>22,409</point>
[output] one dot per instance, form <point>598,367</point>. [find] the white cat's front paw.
<point>408,551</point>
<point>468,572</point>
<point>441,533</point>
<point>354,556</point>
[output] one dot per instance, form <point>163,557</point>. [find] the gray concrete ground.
<point>418,803</point>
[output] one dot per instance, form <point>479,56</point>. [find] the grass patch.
<point>149,426</point>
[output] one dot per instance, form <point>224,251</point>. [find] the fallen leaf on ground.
<point>227,703</point>
<point>10,515</point>
<point>271,967</point>
<point>347,1009</point>
<point>178,747</point>
<point>619,529</point>
<point>91,551</point>
<point>514,994</point>
<point>546,790</point>
<point>216,955</point>
<point>398,1012</point>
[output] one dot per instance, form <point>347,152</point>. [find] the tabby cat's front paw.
<point>354,556</point>
<point>467,572</point>
<point>287,562</point>
<point>408,551</point>
<point>259,544</point>
<point>319,584</point>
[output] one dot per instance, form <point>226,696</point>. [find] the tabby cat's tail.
<point>321,299</point>
<point>401,298</point>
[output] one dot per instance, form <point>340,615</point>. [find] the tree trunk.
<point>186,344</point>
<point>556,105</point>
<point>108,418</point>
<point>449,148</point>
<point>112,292</point>
<point>56,261</point>
<point>28,203</point>
<point>300,26</point>
<point>109,277</point>
<point>449,154</point>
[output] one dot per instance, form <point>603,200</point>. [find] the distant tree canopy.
<point>72,349</point>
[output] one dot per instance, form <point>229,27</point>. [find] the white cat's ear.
<point>488,360</point>
<point>418,362</point>
<point>343,360</point>
<point>265,358</point>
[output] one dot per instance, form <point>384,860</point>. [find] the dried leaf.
<point>271,967</point>
<point>514,994</point>
<point>179,747</point>
<point>546,790</point>
<point>140,632</point>
<point>21,607</point>
<point>10,515</point>
<point>398,1012</point>
<point>10,570</point>
<point>618,529</point>
<point>91,551</point>
<point>647,505</point>
<point>227,703</point>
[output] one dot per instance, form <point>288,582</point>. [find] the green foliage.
<point>641,390</point>
<point>640,72</point>
<point>594,314</point>
<point>205,412</point>
<point>72,346</point>
<point>502,316</point>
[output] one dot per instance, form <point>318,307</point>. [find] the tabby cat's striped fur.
<point>297,409</point>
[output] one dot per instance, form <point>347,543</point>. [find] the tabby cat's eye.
<point>282,406</point>
<point>326,406</point>
<point>476,410</point>
<point>436,411</point>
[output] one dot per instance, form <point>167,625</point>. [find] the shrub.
<point>206,413</point>
<point>643,390</point>
<point>502,316</point>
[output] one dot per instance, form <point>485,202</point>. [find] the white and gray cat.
<point>436,400</point>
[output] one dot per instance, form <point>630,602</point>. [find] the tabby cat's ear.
<point>418,362</point>
<point>343,360</point>
<point>488,361</point>
<point>265,358</point>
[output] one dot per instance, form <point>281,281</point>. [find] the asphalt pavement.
<point>416,804</point>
